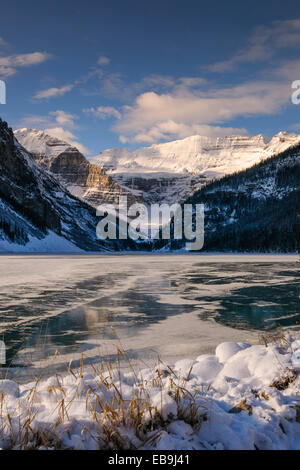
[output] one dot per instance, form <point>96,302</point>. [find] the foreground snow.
<point>243,397</point>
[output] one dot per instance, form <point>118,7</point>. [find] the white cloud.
<point>33,121</point>
<point>6,72</point>
<point>170,130</point>
<point>103,60</point>
<point>52,92</point>
<point>25,60</point>
<point>10,64</point>
<point>186,110</point>
<point>104,112</point>
<point>60,91</point>
<point>115,85</point>
<point>263,44</point>
<point>53,119</point>
<point>64,119</point>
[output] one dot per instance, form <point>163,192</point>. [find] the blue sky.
<point>133,73</point>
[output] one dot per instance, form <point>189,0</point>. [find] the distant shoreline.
<point>205,256</point>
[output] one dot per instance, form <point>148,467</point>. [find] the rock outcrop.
<point>83,179</point>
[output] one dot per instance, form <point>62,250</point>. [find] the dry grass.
<point>108,410</point>
<point>282,340</point>
<point>116,410</point>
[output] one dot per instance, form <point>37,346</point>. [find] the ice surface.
<point>175,306</point>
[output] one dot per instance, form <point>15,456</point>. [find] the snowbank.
<point>243,397</point>
<point>51,243</point>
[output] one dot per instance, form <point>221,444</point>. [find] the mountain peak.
<point>84,180</point>
<point>40,143</point>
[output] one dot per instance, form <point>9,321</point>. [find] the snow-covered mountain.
<point>172,171</point>
<point>255,210</point>
<point>37,214</point>
<point>193,154</point>
<point>83,179</point>
<point>169,172</point>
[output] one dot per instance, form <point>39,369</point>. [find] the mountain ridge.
<point>173,171</point>
<point>37,213</point>
<point>83,179</point>
<point>176,153</point>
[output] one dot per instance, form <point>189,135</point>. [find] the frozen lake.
<point>53,308</point>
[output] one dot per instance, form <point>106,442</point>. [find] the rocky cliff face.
<point>36,212</point>
<point>19,186</point>
<point>83,179</point>
<point>162,187</point>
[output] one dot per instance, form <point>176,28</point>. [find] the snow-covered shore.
<point>243,397</point>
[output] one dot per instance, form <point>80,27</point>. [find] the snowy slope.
<point>279,143</point>
<point>39,143</point>
<point>173,171</point>
<point>194,154</point>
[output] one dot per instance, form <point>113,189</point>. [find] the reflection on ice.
<point>168,305</point>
